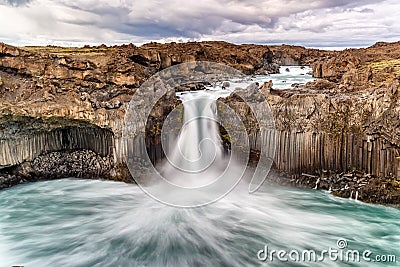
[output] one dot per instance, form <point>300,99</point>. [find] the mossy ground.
<point>66,50</point>
<point>385,71</point>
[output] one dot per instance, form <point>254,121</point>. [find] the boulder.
<point>8,50</point>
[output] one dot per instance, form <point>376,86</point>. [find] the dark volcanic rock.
<point>81,163</point>
<point>192,86</point>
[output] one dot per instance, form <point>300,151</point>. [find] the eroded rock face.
<point>290,55</point>
<point>59,100</point>
<point>248,59</point>
<point>324,132</point>
<point>355,68</point>
<point>339,133</point>
<point>95,83</point>
<point>9,50</point>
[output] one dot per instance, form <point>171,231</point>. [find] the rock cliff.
<point>339,133</point>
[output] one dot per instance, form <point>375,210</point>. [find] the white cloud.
<point>310,23</point>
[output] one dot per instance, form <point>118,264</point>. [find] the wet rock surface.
<point>61,164</point>
<point>83,163</point>
<point>192,86</point>
<point>354,185</point>
<point>9,180</point>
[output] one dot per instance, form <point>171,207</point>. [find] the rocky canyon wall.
<point>329,138</point>
<point>62,109</point>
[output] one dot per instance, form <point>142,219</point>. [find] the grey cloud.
<point>191,19</point>
<point>14,2</point>
<point>347,3</point>
<point>158,31</point>
<point>366,10</point>
<point>252,21</point>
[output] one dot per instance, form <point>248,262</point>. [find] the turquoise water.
<point>96,223</point>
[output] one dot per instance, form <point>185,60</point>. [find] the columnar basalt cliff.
<point>62,111</point>
<point>336,142</point>
<point>340,133</point>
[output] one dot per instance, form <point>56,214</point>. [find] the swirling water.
<point>74,222</point>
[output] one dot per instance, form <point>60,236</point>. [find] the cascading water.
<point>197,156</point>
<point>196,171</point>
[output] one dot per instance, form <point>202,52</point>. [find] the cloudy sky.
<point>312,23</point>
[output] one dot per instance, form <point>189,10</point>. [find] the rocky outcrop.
<point>323,133</point>
<point>290,55</point>
<point>82,163</point>
<point>94,83</point>
<point>57,100</point>
<point>355,68</point>
<point>52,165</point>
<point>192,86</point>
<point>339,133</point>
<point>248,59</point>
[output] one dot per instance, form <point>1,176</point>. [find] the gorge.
<point>62,112</point>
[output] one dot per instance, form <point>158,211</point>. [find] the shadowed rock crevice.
<point>33,149</point>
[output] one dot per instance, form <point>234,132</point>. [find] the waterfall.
<point>356,198</point>
<point>196,158</point>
